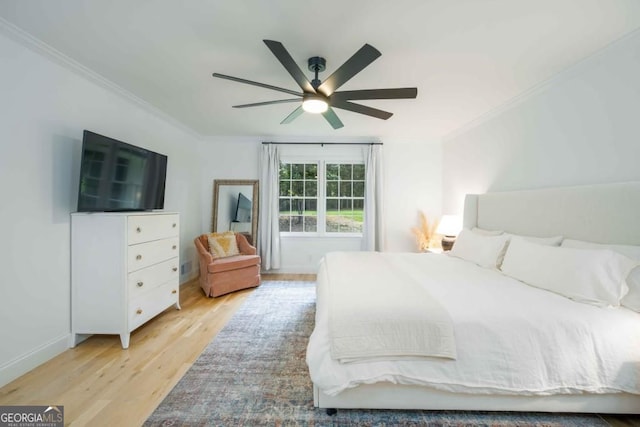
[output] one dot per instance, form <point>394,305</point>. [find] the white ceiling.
<point>467,57</point>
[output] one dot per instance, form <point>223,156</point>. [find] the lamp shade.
<point>449,225</point>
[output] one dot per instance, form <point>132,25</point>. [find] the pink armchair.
<point>219,276</point>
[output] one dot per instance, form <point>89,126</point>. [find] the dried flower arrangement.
<point>424,233</point>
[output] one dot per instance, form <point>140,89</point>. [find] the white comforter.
<point>511,338</point>
<point>379,316</point>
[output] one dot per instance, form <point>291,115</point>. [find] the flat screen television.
<point>243,209</point>
<point>116,176</point>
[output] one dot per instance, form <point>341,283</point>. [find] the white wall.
<point>44,108</point>
<point>581,127</point>
<point>413,181</point>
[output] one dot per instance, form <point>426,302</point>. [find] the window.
<point>321,197</point>
<point>298,197</point>
<point>344,197</point>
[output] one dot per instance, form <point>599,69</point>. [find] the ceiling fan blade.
<point>249,82</point>
<point>363,57</point>
<point>399,93</point>
<point>362,109</point>
<point>291,117</point>
<point>290,65</point>
<point>258,104</point>
<point>332,118</point>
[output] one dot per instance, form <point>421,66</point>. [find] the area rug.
<point>254,373</point>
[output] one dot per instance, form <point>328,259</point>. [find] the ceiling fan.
<point>320,97</point>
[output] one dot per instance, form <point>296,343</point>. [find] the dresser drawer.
<point>145,279</point>
<point>145,228</point>
<point>149,304</point>
<point>146,254</point>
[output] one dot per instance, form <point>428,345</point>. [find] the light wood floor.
<point>100,384</point>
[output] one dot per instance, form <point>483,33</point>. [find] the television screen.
<point>243,209</point>
<point>116,176</point>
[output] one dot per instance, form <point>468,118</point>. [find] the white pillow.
<point>484,232</point>
<point>632,299</point>
<point>482,250</point>
<point>586,275</point>
<point>547,241</point>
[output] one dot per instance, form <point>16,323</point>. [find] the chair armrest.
<point>244,246</point>
<point>205,255</point>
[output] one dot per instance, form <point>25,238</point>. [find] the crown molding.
<point>27,40</point>
<point>563,75</point>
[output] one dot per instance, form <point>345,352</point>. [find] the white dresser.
<point>124,271</point>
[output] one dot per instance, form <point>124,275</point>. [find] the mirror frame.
<point>254,208</point>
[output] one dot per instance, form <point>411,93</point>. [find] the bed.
<point>516,346</point>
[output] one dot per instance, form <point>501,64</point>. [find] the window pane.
<point>345,172</point>
<point>285,206</point>
<point>346,205</point>
<point>285,171</point>
<point>348,227</point>
<point>296,223</point>
<point>310,206</point>
<point>332,189</point>
<point>284,188</point>
<point>358,189</point>
<point>311,171</point>
<point>332,172</point>
<point>297,205</point>
<point>297,188</point>
<point>358,204</point>
<point>311,188</point>
<point>333,222</point>
<point>358,172</point>
<point>297,171</point>
<point>285,223</point>
<point>345,189</point>
<point>332,205</point>
<point>310,223</point>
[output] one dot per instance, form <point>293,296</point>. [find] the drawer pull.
<point>174,225</point>
<point>174,247</point>
<point>138,257</point>
<point>139,311</point>
<point>140,284</point>
<point>138,230</point>
<point>174,291</point>
<point>175,268</point>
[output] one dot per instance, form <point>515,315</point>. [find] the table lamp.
<point>449,226</point>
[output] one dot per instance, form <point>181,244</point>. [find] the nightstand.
<point>433,251</point>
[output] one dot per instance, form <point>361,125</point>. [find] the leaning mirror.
<point>235,207</point>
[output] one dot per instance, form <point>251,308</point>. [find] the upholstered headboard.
<point>604,213</point>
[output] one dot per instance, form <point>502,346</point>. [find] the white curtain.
<point>269,235</point>
<point>372,232</point>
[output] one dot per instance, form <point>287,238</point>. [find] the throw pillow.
<point>223,245</point>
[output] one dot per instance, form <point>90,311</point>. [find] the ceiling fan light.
<point>314,104</point>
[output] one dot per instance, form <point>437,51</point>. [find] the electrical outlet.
<point>185,267</point>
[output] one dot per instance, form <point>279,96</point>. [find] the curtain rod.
<point>324,143</point>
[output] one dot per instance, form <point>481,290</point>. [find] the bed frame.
<point>605,213</point>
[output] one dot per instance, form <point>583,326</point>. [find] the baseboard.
<point>293,270</point>
<point>23,364</point>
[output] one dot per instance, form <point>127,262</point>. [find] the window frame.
<point>321,162</point>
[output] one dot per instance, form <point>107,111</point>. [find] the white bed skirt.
<point>392,396</point>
